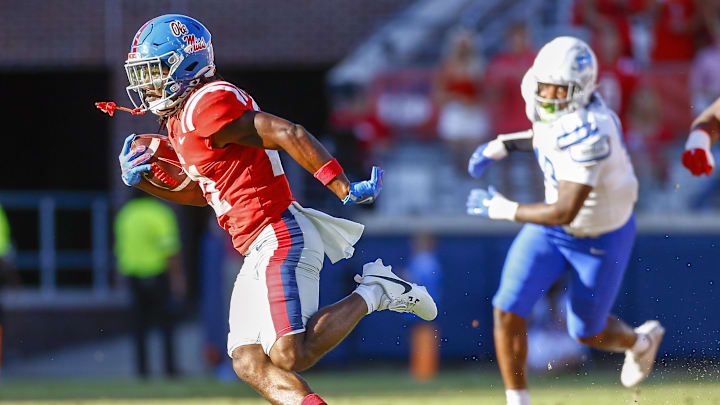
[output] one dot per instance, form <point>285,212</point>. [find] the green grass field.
<point>387,387</point>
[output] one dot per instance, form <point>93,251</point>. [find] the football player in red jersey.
<point>229,148</point>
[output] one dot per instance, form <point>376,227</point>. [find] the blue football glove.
<point>365,192</point>
<point>478,202</point>
<point>478,161</point>
<point>491,204</point>
<point>131,162</point>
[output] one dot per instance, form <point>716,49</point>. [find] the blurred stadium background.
<point>370,79</point>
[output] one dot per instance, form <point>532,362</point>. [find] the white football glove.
<point>489,203</point>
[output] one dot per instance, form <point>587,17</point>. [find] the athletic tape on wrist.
<point>328,172</point>
<point>699,138</point>
<point>502,208</point>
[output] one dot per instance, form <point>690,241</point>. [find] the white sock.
<point>371,294</point>
<point>517,397</point>
<point>642,343</point>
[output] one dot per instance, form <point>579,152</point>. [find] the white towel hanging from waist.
<point>338,234</point>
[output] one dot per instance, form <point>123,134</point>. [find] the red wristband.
<point>313,399</point>
<point>328,172</point>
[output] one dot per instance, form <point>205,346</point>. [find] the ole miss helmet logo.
<point>194,44</point>
<point>178,28</point>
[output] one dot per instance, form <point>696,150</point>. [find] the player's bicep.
<point>273,130</point>
<point>241,131</point>
<point>253,128</point>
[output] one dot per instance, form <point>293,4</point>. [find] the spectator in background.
<point>704,78</point>
<point>504,74</point>
<point>424,266</point>
<point>647,139</point>
<point>463,119</point>
<point>8,275</point>
<point>359,136</point>
<point>218,268</point>
<point>601,14</point>
<point>709,12</point>
<point>5,242</point>
<point>8,272</point>
<point>147,246</point>
<point>676,25</point>
<point>618,73</point>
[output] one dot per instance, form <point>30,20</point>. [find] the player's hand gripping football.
<point>697,157</point>
<point>491,204</point>
<point>365,192</point>
<point>131,162</point>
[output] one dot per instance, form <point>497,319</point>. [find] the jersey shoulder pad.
<point>573,128</point>
<point>591,150</point>
<point>215,101</point>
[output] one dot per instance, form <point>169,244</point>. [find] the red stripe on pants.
<point>273,278</point>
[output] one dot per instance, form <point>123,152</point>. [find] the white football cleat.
<point>637,366</point>
<point>400,296</point>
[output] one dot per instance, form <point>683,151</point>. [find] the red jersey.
<point>246,186</point>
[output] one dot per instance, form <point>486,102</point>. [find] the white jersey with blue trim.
<point>586,147</point>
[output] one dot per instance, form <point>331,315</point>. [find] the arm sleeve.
<point>518,141</point>
<point>215,109</point>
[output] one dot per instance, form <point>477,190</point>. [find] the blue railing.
<point>47,258</point>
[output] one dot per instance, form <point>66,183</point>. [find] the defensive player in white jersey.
<point>585,226</point>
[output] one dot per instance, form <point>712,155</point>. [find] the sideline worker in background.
<point>424,266</point>
<point>8,275</point>
<point>147,246</point>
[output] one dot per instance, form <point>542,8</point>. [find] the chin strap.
<point>109,107</point>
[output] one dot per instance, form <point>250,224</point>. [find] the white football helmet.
<point>564,61</point>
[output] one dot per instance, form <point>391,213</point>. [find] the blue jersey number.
<point>547,168</point>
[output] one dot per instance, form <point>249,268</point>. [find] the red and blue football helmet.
<point>169,53</point>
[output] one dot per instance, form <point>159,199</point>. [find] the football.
<point>166,173</point>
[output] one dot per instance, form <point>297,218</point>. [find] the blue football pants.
<point>540,255</point>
